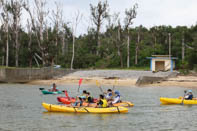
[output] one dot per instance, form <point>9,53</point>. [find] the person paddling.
<point>102,102</point>
<point>53,88</point>
<point>109,95</point>
<point>116,98</point>
<point>189,95</point>
<point>83,96</point>
<point>89,98</point>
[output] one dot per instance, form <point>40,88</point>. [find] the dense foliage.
<point>112,50</point>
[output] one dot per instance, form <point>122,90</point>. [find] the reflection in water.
<point>21,109</point>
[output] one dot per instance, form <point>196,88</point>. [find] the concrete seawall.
<point>144,80</point>
<point>22,75</point>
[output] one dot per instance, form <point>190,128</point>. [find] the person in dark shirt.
<point>102,102</point>
<point>189,95</point>
<point>89,98</point>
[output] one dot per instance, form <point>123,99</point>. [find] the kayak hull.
<point>166,101</point>
<point>63,108</point>
<point>68,100</point>
<point>50,92</point>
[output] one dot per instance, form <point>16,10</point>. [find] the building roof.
<point>165,58</point>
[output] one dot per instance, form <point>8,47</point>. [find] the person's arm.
<point>100,102</point>
<point>116,100</point>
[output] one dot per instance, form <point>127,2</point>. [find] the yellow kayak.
<point>166,101</point>
<point>63,108</point>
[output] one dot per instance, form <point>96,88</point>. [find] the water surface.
<point>21,110</point>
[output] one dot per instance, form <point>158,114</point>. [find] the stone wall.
<point>22,75</point>
<point>145,80</point>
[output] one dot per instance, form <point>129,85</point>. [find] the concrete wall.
<point>2,74</point>
<point>25,75</point>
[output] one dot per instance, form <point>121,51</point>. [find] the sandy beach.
<point>119,78</point>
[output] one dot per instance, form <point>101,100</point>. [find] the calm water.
<point>20,109</point>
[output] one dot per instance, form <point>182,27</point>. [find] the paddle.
<point>183,97</point>
<point>98,84</point>
<point>41,88</point>
<point>80,81</point>
<point>114,85</point>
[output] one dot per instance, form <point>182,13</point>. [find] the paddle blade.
<point>115,83</point>
<point>41,88</point>
<point>66,94</point>
<point>80,81</point>
<point>97,83</point>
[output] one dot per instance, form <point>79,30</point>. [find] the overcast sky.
<point>149,13</point>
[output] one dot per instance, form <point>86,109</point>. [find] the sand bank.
<point>119,78</point>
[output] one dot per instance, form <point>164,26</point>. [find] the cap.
<point>117,93</point>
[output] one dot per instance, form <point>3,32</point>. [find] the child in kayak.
<point>53,88</point>
<point>116,99</point>
<point>102,102</point>
<point>83,96</point>
<point>89,99</point>
<point>109,95</point>
<point>189,95</point>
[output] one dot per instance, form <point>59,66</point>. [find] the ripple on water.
<point>20,109</point>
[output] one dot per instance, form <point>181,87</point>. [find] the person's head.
<point>101,96</point>
<point>109,90</point>
<point>84,91</point>
<point>88,93</point>
<point>190,91</point>
<point>117,93</point>
<point>54,85</point>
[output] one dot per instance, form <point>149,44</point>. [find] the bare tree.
<point>15,10</point>
<point>6,19</point>
<point>183,46</point>
<point>119,44</point>
<point>29,28</point>
<point>137,45</point>
<point>75,23</point>
<point>130,15</point>
<point>38,23</point>
<point>99,13</point>
<point>57,20</point>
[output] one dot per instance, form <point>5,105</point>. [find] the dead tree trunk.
<point>38,25</point>
<point>169,34</point>
<point>128,50</point>
<point>130,15</point>
<point>99,13</point>
<point>119,47</point>
<point>137,48</point>
<point>29,28</point>
<point>74,29</point>
<point>16,8</point>
<point>6,19</point>
<point>183,47</point>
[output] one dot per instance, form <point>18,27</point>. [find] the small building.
<point>162,63</point>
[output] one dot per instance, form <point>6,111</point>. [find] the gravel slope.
<point>117,73</point>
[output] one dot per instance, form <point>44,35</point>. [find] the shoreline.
<point>180,81</point>
<point>86,80</point>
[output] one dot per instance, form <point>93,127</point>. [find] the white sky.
<point>149,13</point>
